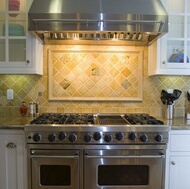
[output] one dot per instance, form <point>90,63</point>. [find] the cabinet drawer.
<point>180,143</point>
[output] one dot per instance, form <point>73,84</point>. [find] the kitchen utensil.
<point>177,93</point>
<point>163,97</point>
<point>188,96</point>
<point>169,98</point>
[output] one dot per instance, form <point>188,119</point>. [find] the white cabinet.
<point>178,161</point>
<point>12,160</point>
<point>20,52</point>
<point>170,55</point>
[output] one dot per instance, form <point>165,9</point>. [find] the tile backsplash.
<point>95,75</point>
<point>35,88</point>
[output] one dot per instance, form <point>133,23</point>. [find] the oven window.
<point>123,175</point>
<point>55,175</point>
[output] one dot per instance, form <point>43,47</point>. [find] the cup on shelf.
<point>14,5</point>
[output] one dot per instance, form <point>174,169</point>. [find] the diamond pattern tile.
<point>92,83</point>
<point>95,75</point>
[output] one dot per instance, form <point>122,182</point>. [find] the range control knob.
<point>87,138</point>
<point>119,136</point>
<point>72,138</point>
<point>107,137</point>
<point>62,136</point>
<point>97,136</point>
<point>132,136</point>
<point>37,137</point>
<point>158,138</point>
<point>143,138</point>
<point>51,137</point>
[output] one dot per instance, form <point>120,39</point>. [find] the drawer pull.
<point>11,145</point>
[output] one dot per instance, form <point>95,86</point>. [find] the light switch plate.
<point>10,94</point>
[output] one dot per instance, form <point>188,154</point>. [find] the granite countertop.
<point>10,122</point>
<point>178,123</point>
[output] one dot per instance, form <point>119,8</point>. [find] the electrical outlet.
<point>10,94</point>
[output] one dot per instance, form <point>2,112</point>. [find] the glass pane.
<point>177,7</point>
<point>23,5</point>
<point>17,50</point>
<point>128,175</point>
<point>55,175</point>
<point>176,27</point>
<point>15,5</point>
<point>188,6</point>
<point>188,51</point>
<point>2,5</point>
<point>17,25</point>
<point>2,50</point>
<point>175,51</point>
<point>188,27</point>
<point>2,25</point>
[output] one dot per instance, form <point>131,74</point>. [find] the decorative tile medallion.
<point>95,75</point>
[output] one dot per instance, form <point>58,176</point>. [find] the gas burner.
<point>57,118</point>
<point>142,119</point>
<point>50,118</point>
<point>80,119</point>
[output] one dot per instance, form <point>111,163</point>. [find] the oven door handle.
<point>53,154</point>
<point>47,156</point>
<point>143,156</point>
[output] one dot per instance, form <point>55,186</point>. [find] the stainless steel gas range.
<point>96,151</point>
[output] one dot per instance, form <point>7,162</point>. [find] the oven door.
<point>124,169</point>
<point>54,169</point>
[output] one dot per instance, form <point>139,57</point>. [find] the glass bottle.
<point>23,109</point>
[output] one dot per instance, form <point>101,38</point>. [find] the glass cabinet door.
<point>188,28</point>
<point>2,38</point>
<point>177,53</point>
<point>13,28</point>
<point>17,37</point>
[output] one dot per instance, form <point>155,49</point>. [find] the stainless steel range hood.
<point>126,22</point>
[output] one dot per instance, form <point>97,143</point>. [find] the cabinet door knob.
<point>11,145</point>
<point>163,62</point>
<point>28,61</point>
<point>173,162</point>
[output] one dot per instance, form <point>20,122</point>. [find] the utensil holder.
<point>169,111</point>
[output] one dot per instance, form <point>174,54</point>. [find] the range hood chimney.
<point>125,22</point>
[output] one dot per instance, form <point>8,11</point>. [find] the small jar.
<point>23,109</point>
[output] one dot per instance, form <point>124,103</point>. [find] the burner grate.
<point>88,119</point>
<point>57,118</point>
<point>142,119</point>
